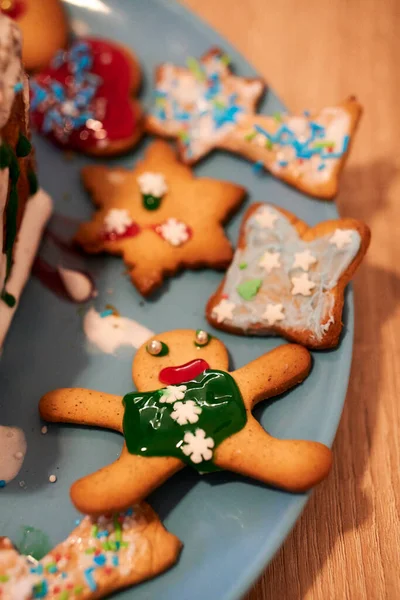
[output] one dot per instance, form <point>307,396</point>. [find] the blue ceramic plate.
<point>230,527</point>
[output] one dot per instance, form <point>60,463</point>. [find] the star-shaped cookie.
<point>287,278</point>
<point>205,106</point>
<point>189,410</point>
<point>159,217</point>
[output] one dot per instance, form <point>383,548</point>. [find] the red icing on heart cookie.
<point>13,8</point>
<point>83,100</point>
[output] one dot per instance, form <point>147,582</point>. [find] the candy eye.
<point>202,338</point>
<point>157,348</point>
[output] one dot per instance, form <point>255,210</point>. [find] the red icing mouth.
<point>182,373</point>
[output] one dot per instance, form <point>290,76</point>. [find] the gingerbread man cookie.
<point>189,410</point>
<point>99,557</point>
<point>207,107</point>
<point>84,100</point>
<point>287,278</point>
<point>44,29</point>
<point>159,217</point>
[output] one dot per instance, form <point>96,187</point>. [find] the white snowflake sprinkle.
<point>117,220</point>
<point>186,412</point>
<point>172,393</point>
<point>174,232</point>
<point>198,447</point>
<point>153,184</point>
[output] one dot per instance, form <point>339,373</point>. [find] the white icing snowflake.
<point>172,393</point>
<point>302,285</point>
<point>270,260</point>
<point>117,220</point>
<point>266,218</point>
<point>174,232</point>
<point>186,412</point>
<point>341,238</point>
<point>153,184</point>
<point>197,446</point>
<point>303,260</point>
<point>273,313</point>
<point>223,310</point>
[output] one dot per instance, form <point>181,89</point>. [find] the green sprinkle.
<point>225,59</point>
<point>23,147</point>
<point>106,546</point>
<point>112,546</point>
<point>95,531</point>
<point>183,136</point>
<point>51,566</point>
<point>4,578</point>
<point>90,550</point>
<point>324,144</point>
<point>195,67</point>
<point>243,265</point>
<point>78,589</point>
<point>124,544</point>
<point>268,144</point>
<point>250,136</point>
<point>278,117</point>
<point>64,595</point>
<point>249,289</point>
<point>218,104</point>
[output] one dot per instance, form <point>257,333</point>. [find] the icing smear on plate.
<point>108,332</point>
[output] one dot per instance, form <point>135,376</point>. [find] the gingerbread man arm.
<point>103,491</point>
<point>273,373</point>
<point>292,465</point>
<point>82,407</point>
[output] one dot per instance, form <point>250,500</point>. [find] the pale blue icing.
<point>314,312</point>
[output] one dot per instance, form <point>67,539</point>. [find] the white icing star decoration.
<point>223,310</point>
<point>117,220</point>
<point>266,218</point>
<point>174,232</point>
<point>304,260</point>
<point>172,393</point>
<point>341,238</point>
<point>153,184</point>
<point>302,285</point>
<point>270,260</point>
<point>197,446</point>
<point>273,313</point>
<point>186,412</point>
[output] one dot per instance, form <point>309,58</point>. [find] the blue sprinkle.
<point>38,569</point>
<point>258,166</point>
<point>283,163</point>
<point>2,483</point>
<point>100,560</point>
<point>18,87</point>
<point>129,512</point>
<point>88,573</point>
<point>40,590</point>
<point>52,569</point>
<point>115,560</point>
<point>306,113</point>
<point>106,313</point>
<point>103,533</point>
<point>77,522</point>
<point>321,167</point>
<point>64,575</point>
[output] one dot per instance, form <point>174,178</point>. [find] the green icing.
<point>243,265</point>
<point>33,542</point>
<point>249,289</point>
<point>33,182</point>
<point>150,430</point>
<point>151,202</point>
<point>23,146</point>
<point>9,299</point>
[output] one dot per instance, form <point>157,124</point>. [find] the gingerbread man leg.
<point>292,465</point>
<point>281,369</point>
<point>82,407</point>
<point>102,492</point>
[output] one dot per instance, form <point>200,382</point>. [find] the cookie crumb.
<point>44,429</point>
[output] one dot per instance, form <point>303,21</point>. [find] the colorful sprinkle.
<point>18,87</point>
<point>106,313</point>
<point>243,265</point>
<point>258,167</point>
<point>88,573</point>
<point>249,289</point>
<point>3,483</point>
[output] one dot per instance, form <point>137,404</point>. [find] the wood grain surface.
<point>347,543</point>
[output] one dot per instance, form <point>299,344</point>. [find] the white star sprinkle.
<point>270,260</point>
<point>341,238</point>
<point>304,260</point>
<point>273,313</point>
<point>302,285</point>
<point>223,310</point>
<point>266,218</point>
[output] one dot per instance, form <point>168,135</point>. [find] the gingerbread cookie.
<point>84,101</point>
<point>101,556</point>
<point>190,410</point>
<point>206,107</point>
<point>159,217</point>
<point>287,278</point>
<point>44,29</point>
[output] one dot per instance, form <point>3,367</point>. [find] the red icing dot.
<point>330,148</point>
<point>13,8</point>
<point>97,552</point>
<point>131,231</point>
<point>57,557</point>
<point>181,373</point>
<point>56,589</point>
<point>108,570</point>
<point>111,113</point>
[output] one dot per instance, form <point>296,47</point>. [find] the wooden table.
<point>347,543</point>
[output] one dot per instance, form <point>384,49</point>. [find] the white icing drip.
<point>37,212</point>
<point>111,332</point>
<point>78,285</point>
<point>12,452</point>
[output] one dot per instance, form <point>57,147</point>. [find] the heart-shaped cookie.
<point>84,100</point>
